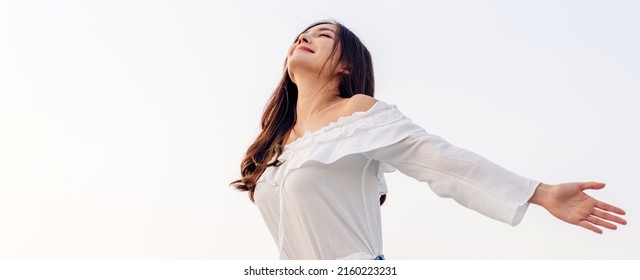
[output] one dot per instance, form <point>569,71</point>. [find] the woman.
<point>316,169</point>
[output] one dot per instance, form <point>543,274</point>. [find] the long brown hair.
<point>279,115</point>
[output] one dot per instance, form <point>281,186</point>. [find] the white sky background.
<point>123,122</point>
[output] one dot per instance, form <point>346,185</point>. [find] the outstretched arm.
<point>569,203</point>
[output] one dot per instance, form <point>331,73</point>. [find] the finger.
<point>591,185</point>
<point>602,223</point>
<point>609,207</point>
<point>589,226</point>
<point>610,217</point>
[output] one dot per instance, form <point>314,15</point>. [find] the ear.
<point>344,69</point>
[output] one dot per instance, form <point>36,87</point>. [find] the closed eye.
<point>326,35</point>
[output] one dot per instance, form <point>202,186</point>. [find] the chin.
<point>301,66</point>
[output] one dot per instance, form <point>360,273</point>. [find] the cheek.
<point>335,56</point>
<point>331,52</point>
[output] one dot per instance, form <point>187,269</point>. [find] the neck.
<point>314,95</point>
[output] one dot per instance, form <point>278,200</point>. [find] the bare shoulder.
<point>358,103</point>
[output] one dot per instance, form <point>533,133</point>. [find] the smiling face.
<point>315,51</point>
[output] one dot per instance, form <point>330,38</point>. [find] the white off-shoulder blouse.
<point>322,202</point>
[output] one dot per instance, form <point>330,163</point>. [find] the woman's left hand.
<point>569,203</point>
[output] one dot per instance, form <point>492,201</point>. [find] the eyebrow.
<point>325,28</point>
<point>322,29</point>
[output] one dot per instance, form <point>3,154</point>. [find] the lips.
<point>303,48</point>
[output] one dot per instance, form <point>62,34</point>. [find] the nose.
<point>303,38</point>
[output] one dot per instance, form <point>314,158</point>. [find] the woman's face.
<point>312,50</point>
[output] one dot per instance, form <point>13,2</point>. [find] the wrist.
<point>540,195</point>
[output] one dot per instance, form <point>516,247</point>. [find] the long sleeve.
<point>464,176</point>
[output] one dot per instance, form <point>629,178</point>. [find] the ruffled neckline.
<point>379,126</point>
<point>341,121</point>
